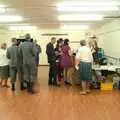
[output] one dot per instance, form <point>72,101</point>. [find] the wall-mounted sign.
<point>58,34</point>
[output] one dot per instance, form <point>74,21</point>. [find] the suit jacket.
<point>50,51</point>
<point>12,55</point>
<point>28,52</point>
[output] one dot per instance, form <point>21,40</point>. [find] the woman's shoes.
<point>83,93</point>
<point>13,87</point>
<point>67,83</point>
<point>88,91</point>
<point>5,86</point>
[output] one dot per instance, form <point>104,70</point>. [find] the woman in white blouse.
<point>4,68</point>
<point>84,62</point>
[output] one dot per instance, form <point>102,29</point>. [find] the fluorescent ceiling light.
<point>89,3</point>
<point>80,27</point>
<point>18,24</point>
<point>86,9</point>
<point>22,28</point>
<point>84,17</point>
<point>2,6</point>
<point>9,18</point>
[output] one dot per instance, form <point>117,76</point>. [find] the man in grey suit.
<point>20,67</point>
<point>12,55</point>
<point>28,52</point>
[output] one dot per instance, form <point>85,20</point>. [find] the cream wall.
<point>109,34</point>
<point>109,38</point>
<point>43,40</point>
<point>3,35</point>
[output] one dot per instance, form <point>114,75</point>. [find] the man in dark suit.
<point>50,51</point>
<point>39,51</point>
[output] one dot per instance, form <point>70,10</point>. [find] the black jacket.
<point>50,53</point>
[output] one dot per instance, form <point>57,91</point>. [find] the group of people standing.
<point>21,59</point>
<point>59,59</point>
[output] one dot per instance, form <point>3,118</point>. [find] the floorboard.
<point>52,103</point>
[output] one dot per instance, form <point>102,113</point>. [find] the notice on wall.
<point>52,34</point>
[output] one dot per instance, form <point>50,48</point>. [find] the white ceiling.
<point>43,13</point>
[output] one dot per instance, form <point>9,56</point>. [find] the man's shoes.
<point>67,83</point>
<point>13,87</point>
<point>32,91</point>
<point>57,85</point>
<point>50,84</point>
<point>30,88</point>
<point>22,87</point>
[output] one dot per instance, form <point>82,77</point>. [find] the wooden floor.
<point>64,103</point>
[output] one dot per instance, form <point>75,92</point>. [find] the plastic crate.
<point>106,86</point>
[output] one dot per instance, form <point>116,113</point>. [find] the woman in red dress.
<point>66,61</point>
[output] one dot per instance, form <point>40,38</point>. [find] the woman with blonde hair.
<point>4,67</point>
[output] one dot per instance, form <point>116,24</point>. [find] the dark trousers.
<point>29,72</point>
<point>13,74</point>
<point>52,73</point>
<point>20,73</point>
<point>59,71</point>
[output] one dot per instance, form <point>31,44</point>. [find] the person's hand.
<point>76,66</point>
<point>60,53</point>
<point>56,52</point>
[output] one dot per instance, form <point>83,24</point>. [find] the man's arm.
<point>50,50</point>
<point>77,60</point>
<point>39,49</point>
<point>34,49</point>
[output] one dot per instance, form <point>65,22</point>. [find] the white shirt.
<point>84,54</point>
<point>3,58</point>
